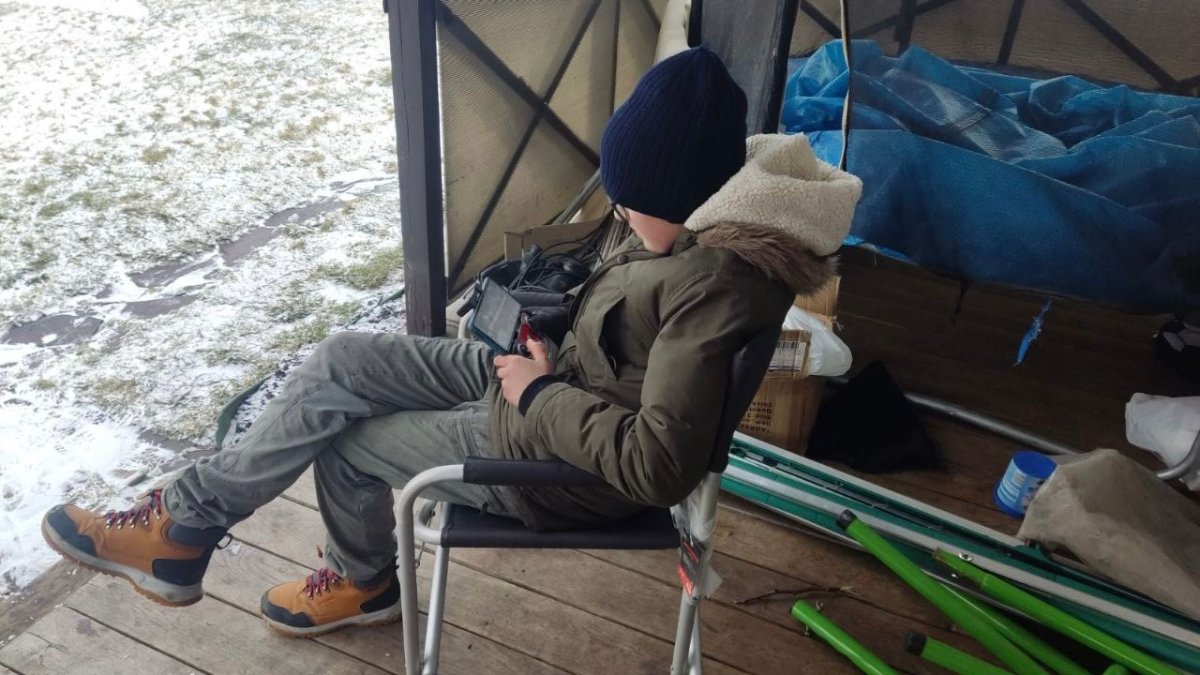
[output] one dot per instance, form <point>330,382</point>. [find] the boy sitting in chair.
<point>633,396</point>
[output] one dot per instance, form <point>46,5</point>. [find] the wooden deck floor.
<point>614,612</point>
<point>1072,386</point>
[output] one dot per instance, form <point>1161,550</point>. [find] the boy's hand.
<point>516,372</point>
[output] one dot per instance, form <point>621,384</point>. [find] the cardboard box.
<point>824,302</point>
<point>548,235</point>
<point>785,408</point>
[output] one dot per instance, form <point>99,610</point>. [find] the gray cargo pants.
<point>370,411</point>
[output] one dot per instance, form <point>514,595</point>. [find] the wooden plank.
<point>1005,399</point>
<point>900,347</point>
<point>804,556</point>
<point>1000,396</point>
<point>240,574</point>
<point>304,490</point>
<point>972,453</point>
<point>526,621</point>
<point>1075,379</point>
<point>40,597</point>
<point>974,462</point>
<point>1072,386</point>
<point>287,529</point>
<point>65,641</point>
<point>785,548</point>
<point>991,340</point>
<point>573,639</point>
<point>739,508</point>
<point>209,635</point>
<point>1103,351</point>
<point>877,275</point>
<point>933,307</point>
<point>599,587</point>
<point>881,631</point>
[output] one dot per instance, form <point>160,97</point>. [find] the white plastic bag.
<point>828,356</point>
<point>1165,426</point>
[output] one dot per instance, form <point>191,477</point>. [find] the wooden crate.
<point>785,408</point>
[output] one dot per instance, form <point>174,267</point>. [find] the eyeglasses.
<point>621,211</point>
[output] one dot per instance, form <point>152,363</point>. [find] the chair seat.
<point>465,527</point>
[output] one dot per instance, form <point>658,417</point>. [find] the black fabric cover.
<point>868,425</point>
<point>753,39</point>
<point>525,472</point>
<point>746,374</point>
<point>533,389</point>
<point>541,299</point>
<point>466,527</point>
<point>549,322</point>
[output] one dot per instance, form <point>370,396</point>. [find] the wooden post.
<point>412,35</point>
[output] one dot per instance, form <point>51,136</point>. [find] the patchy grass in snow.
<point>114,394</point>
<point>296,301</point>
<point>380,267</point>
<point>155,154</point>
<point>150,137</point>
<point>315,328</point>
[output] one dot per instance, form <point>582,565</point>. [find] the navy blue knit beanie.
<point>678,138</point>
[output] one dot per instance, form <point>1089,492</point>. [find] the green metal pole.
<point>840,640</point>
<point>1030,643</point>
<point>948,657</point>
<point>939,595</point>
<point>1055,618</point>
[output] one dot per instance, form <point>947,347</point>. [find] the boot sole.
<point>157,590</point>
<point>379,618</point>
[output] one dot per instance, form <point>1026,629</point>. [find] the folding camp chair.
<point>653,528</point>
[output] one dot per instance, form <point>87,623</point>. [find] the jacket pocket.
<point>595,364</point>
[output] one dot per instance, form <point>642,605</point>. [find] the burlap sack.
<point>1123,522</point>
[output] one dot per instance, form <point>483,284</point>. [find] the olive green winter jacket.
<point>643,372</point>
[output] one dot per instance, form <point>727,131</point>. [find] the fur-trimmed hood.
<point>785,212</point>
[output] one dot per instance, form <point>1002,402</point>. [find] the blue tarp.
<point>1059,185</point>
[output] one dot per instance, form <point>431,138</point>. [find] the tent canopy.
<point>500,107</point>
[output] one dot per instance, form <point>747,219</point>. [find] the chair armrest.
<point>525,472</point>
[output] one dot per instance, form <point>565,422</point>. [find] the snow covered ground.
<point>190,191</point>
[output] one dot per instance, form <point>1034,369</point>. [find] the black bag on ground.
<point>868,425</point>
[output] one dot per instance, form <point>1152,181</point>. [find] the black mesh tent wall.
<point>1080,113</point>
<point>1145,43</point>
<point>752,37</point>
<point>500,105</point>
<point>515,97</point>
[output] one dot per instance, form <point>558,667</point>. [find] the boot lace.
<point>139,513</point>
<point>320,581</point>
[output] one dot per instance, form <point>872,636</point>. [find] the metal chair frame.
<point>698,511</point>
<point>416,530</point>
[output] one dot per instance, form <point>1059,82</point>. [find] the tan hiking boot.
<point>324,602</point>
<point>164,560</point>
